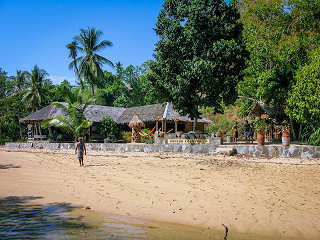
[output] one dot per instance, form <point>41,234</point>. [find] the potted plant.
<point>261,126</point>
<point>219,132</point>
<point>285,133</point>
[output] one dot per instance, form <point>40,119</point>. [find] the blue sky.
<point>36,32</point>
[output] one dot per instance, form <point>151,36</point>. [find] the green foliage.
<point>88,42</point>
<point>36,94</point>
<point>74,123</point>
<point>199,56</point>
<point>109,128</point>
<point>304,100</point>
<point>278,36</point>
<point>63,93</point>
<point>126,136</point>
<point>129,87</point>
<point>262,125</point>
<point>224,125</point>
<point>314,138</point>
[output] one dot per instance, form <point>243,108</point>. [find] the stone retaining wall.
<point>298,151</point>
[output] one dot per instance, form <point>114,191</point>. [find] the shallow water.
<point>19,219</point>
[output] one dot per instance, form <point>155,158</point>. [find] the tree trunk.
<point>20,130</point>
<point>300,132</point>
<point>292,130</point>
<point>195,123</point>
<point>92,89</point>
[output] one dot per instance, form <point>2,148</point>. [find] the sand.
<point>257,196</point>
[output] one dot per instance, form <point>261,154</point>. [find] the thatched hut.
<point>274,113</point>
<point>150,115</point>
<point>136,124</point>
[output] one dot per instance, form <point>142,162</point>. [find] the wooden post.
<point>164,128</point>
<point>40,128</point>
<point>176,125</point>
<point>157,123</point>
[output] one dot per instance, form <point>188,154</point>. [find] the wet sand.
<point>250,196</point>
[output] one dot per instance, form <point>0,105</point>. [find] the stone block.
<point>242,149</point>
<point>26,145</point>
<point>211,149</point>
<point>217,140</point>
<point>166,148</point>
<point>308,152</point>
<point>52,146</point>
<point>67,146</point>
<point>148,148</point>
<point>228,151</point>
<point>177,148</point>
<point>12,145</point>
<point>294,151</point>
<point>186,148</point>
<point>274,151</point>
<point>119,148</point>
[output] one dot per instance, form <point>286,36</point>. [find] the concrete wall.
<point>268,150</point>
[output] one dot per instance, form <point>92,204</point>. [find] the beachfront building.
<point>167,118</point>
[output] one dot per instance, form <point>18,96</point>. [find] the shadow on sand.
<point>7,166</point>
<point>20,219</point>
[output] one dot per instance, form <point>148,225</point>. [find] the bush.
<point>126,136</point>
<point>314,138</point>
<point>109,128</point>
<point>223,125</point>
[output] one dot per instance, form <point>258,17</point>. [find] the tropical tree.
<point>20,80</point>
<point>278,36</point>
<point>36,94</point>
<point>74,122</point>
<point>90,64</point>
<point>199,56</point>
<point>72,47</point>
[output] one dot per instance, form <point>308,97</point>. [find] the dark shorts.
<point>235,135</point>
<point>80,155</point>
<point>247,134</point>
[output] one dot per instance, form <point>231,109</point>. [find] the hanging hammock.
<point>143,134</point>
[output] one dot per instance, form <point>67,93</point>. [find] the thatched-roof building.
<point>148,114</point>
<point>268,111</point>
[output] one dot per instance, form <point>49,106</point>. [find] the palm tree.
<point>74,122</point>
<point>20,79</point>
<point>91,63</point>
<point>72,47</point>
<point>36,94</point>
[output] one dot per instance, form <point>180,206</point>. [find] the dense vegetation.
<point>209,54</point>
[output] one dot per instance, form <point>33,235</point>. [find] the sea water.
<point>19,219</point>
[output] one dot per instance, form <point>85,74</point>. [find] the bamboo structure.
<point>136,124</point>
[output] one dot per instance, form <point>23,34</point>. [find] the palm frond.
<point>102,45</point>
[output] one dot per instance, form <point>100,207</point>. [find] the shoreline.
<point>196,190</point>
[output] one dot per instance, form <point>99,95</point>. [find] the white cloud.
<point>59,79</point>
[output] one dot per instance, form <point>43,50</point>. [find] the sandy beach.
<point>257,196</point>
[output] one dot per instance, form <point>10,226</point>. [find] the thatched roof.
<point>146,113</point>
<point>275,112</point>
<point>96,112</point>
<point>136,122</point>
<point>47,112</point>
<point>120,115</point>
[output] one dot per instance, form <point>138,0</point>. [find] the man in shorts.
<point>81,148</point>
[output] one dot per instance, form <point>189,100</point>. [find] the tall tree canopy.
<point>278,36</point>
<point>90,64</point>
<point>304,100</point>
<point>200,54</point>
<point>36,94</point>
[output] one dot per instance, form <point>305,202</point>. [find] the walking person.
<point>235,132</point>
<point>81,148</point>
<point>246,130</point>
